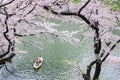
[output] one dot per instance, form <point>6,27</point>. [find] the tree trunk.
<point>97,70</point>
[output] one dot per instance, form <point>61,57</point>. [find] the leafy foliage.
<point>115,5</point>
<point>76,1</point>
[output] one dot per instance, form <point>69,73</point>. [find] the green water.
<point>58,56</point>
<point>56,65</point>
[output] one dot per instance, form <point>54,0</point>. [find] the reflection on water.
<point>60,59</point>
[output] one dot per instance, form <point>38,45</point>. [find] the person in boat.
<point>38,60</point>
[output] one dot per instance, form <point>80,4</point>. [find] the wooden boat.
<point>38,66</point>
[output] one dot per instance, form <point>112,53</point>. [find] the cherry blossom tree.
<point>20,18</point>
<point>101,21</point>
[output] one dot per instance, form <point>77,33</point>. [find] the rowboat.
<point>38,66</point>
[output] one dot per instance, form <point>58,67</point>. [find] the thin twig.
<point>8,69</point>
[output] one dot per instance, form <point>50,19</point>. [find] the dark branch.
<point>97,70</point>
<point>87,21</point>
<point>89,67</point>
<point>61,13</point>
<point>57,4</point>
<point>83,6</point>
<point>26,5</point>
<point>108,43</point>
<point>97,43</point>
<point>7,14</point>
<point>8,69</point>
<point>48,8</point>
<point>87,76</point>
<point>103,51</point>
<point>31,9</point>
<point>110,50</point>
<point>89,70</point>
<point>70,13</point>
<point>20,35</point>
<point>8,59</point>
<point>6,3</point>
<point>5,35</point>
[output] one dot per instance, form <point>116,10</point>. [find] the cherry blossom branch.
<point>11,44</point>
<point>41,32</point>
<point>48,8</point>
<point>6,3</point>
<point>97,70</point>
<point>110,50</point>
<point>8,59</point>
<point>20,35</point>
<point>5,34</point>
<point>83,6</point>
<point>87,75</point>
<point>97,40</point>
<point>61,13</point>
<point>8,69</point>
<point>26,5</point>
<point>103,51</point>
<point>31,9</point>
